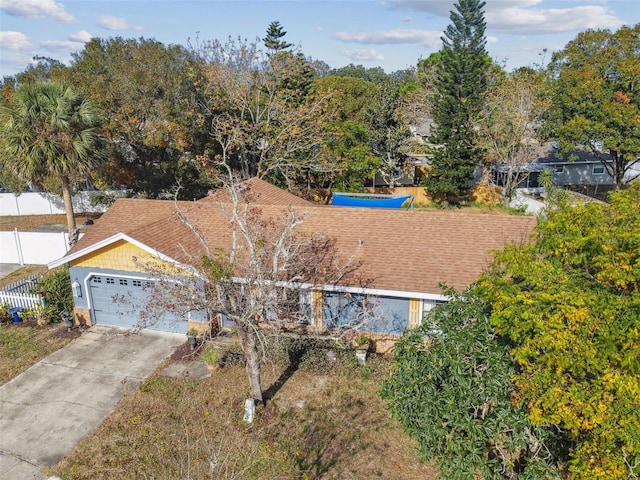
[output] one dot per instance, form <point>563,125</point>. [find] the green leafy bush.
<point>211,355</point>
<point>56,289</point>
<point>451,388</point>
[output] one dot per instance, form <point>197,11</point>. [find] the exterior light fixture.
<point>77,289</point>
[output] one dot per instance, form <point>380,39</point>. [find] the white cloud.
<point>62,46</point>
<point>527,17</point>
<point>554,20</point>
<point>424,37</point>
<point>110,22</point>
<point>491,39</point>
<point>81,36</point>
<point>33,9</point>
<point>14,41</point>
<point>74,43</point>
<point>364,55</point>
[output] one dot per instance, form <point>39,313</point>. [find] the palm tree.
<point>50,131</point>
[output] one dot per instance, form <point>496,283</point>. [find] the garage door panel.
<point>123,302</point>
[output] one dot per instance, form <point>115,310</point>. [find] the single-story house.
<point>406,255</point>
<point>581,169</point>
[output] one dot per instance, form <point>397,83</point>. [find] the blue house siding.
<point>123,298</point>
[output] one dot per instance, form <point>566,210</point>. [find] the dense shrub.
<point>451,387</point>
<point>56,289</point>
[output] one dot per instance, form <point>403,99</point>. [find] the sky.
<point>392,34</point>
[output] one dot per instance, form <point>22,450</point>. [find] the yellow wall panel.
<point>120,255</point>
<point>414,312</point>
<point>317,309</point>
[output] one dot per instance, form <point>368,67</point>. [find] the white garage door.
<point>123,302</point>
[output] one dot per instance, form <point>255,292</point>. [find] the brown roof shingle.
<point>412,251</point>
<point>256,190</point>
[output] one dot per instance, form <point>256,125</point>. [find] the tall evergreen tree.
<point>459,91</point>
<point>273,41</point>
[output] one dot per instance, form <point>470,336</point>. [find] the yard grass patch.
<point>23,273</point>
<point>24,344</point>
<point>328,423</point>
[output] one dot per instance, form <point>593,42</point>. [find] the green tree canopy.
<point>460,83</point>
<point>346,136</point>
<point>50,131</point>
<point>595,92</point>
<point>570,303</point>
<point>373,74</point>
<point>146,93</point>
<point>389,129</point>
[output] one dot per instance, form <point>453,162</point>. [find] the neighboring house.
<point>405,255</point>
<point>583,170</point>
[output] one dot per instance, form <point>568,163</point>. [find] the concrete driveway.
<point>47,410</point>
<point>7,268</point>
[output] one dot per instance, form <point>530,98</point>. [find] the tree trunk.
<point>249,343</point>
<point>68,205</point>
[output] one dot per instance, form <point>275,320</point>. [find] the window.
<point>111,281</point>
<point>290,305</point>
<point>365,313</point>
<point>598,170</point>
<point>124,281</point>
<point>427,306</point>
<point>96,280</point>
<point>136,283</point>
<point>559,169</point>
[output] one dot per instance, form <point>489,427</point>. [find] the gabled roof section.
<point>79,253</point>
<point>258,191</point>
<point>126,215</point>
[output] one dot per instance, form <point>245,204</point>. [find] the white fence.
<point>24,300</point>
<point>17,294</point>
<point>32,248</point>
<point>42,203</point>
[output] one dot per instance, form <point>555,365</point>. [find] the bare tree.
<point>258,268</point>
<point>266,100</point>
<point>507,127</point>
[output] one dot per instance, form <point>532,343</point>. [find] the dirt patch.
<point>49,332</point>
<point>183,353</point>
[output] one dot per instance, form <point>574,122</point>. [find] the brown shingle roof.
<point>412,251</point>
<point>256,190</point>
<point>124,216</point>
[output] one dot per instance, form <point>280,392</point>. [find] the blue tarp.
<point>344,201</point>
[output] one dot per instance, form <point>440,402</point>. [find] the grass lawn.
<point>23,344</point>
<point>326,420</point>
<point>25,223</point>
